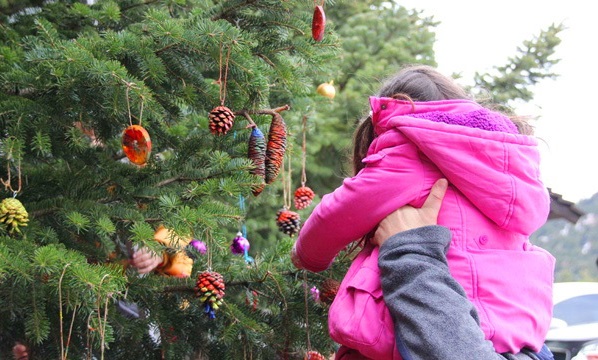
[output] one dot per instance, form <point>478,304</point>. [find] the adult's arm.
<point>432,316</point>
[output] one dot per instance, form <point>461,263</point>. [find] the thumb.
<point>434,200</point>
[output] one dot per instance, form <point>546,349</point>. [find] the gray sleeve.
<point>432,316</point>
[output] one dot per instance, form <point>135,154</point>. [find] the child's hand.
<point>408,217</point>
<point>20,352</point>
<point>295,258</point>
<point>145,260</point>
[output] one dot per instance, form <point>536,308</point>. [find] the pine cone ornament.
<point>303,197</point>
<point>314,355</point>
<point>13,215</point>
<point>221,120</point>
<point>256,152</point>
<point>277,143</point>
<point>328,290</point>
<point>210,290</point>
<point>288,221</point>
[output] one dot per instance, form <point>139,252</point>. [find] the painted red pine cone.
<point>303,197</point>
<point>210,288</point>
<point>314,355</point>
<point>328,290</point>
<point>289,222</point>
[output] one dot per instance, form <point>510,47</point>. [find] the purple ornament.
<point>199,245</point>
<point>240,245</point>
<point>315,294</point>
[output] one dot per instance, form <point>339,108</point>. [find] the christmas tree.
<point>120,118</point>
<point>184,121</point>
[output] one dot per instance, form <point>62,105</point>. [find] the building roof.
<point>563,209</point>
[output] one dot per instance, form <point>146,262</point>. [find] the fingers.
<point>145,260</point>
<point>19,352</point>
<point>434,200</point>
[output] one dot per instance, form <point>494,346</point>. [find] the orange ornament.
<point>136,144</point>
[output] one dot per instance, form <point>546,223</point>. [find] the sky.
<point>476,35</point>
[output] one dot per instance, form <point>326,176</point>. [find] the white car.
<point>573,332</point>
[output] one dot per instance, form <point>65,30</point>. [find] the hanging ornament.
<point>314,355</point>
<point>327,89</point>
<point>128,309</point>
<point>289,222</point>
<point>251,299</point>
<point>199,246</point>
<point>303,197</point>
<point>256,152</point>
<point>210,290</point>
<point>328,290</point>
<point>240,246</point>
<point>136,144</point>
<point>318,23</point>
<point>184,304</point>
<point>196,248</point>
<point>315,293</point>
<point>277,143</point>
<point>221,118</point>
<point>13,215</point>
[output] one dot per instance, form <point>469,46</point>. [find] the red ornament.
<point>210,290</point>
<point>314,355</point>
<point>329,289</point>
<point>277,143</point>
<point>136,144</point>
<point>303,197</point>
<point>318,23</point>
<point>288,221</point>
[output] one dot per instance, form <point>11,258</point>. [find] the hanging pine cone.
<point>210,290</point>
<point>288,221</point>
<point>221,120</point>
<point>13,214</point>
<point>277,143</point>
<point>256,152</point>
<point>303,197</point>
<point>328,290</point>
<point>314,355</point>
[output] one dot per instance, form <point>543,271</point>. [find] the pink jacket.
<point>494,202</point>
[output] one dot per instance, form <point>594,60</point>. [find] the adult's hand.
<point>409,217</point>
<point>145,260</point>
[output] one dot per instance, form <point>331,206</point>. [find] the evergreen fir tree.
<point>73,77</point>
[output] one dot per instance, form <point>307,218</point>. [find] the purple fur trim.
<point>480,119</point>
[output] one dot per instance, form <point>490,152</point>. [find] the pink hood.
<point>502,180</point>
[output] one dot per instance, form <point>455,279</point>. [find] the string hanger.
<point>222,80</point>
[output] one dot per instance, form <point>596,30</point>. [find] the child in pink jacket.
<point>423,127</point>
